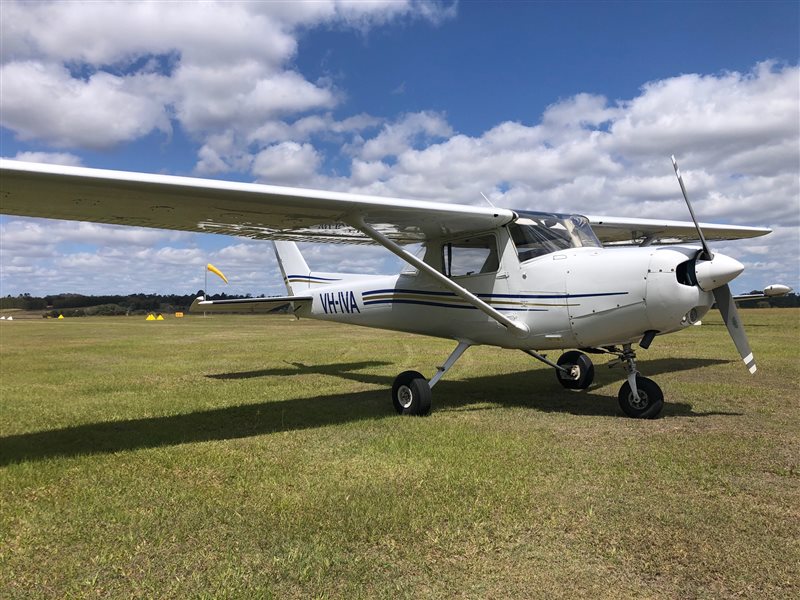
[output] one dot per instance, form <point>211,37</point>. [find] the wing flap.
<point>621,231</point>
<point>226,207</point>
<point>247,305</point>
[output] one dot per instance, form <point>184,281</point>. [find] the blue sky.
<point>571,106</point>
<point>508,61</point>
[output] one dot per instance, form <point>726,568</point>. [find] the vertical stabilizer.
<point>299,278</point>
<point>293,266</point>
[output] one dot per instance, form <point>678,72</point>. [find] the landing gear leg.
<point>451,360</point>
<point>411,394</point>
<point>629,364</point>
<point>639,397</point>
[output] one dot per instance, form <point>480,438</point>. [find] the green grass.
<point>261,457</point>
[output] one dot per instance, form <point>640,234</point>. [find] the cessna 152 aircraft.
<point>525,280</point>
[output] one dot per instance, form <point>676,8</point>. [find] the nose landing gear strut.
<point>639,397</point>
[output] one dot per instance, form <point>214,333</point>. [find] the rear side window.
<point>470,256</point>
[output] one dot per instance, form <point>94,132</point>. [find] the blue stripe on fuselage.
<point>365,295</point>
<point>443,305</point>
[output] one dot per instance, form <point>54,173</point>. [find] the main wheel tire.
<point>581,367</point>
<point>650,403</point>
<point>411,394</point>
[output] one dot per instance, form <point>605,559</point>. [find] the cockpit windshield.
<point>536,234</point>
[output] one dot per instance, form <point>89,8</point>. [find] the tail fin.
<point>293,266</point>
<point>299,278</point>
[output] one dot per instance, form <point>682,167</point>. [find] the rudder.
<point>295,271</point>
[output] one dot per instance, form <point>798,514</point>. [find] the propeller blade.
<point>717,273</point>
<point>727,308</point>
<point>707,254</point>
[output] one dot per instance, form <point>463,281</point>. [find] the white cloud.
<point>46,257</point>
<point>710,116</point>
<point>53,158</point>
<point>105,33</point>
<point>19,234</point>
<point>98,74</point>
<point>409,131</point>
<point>616,158</point>
<point>334,258</point>
<point>97,113</point>
<point>286,163</point>
<point>304,128</point>
<point>221,153</point>
<point>238,97</point>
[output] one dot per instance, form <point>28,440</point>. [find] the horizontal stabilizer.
<point>246,305</point>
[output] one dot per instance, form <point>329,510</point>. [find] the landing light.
<point>690,317</point>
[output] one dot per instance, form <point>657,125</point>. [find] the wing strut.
<point>518,329</point>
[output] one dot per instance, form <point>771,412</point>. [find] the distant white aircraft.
<point>771,291</point>
<point>523,280</point>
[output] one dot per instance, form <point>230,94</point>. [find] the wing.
<point>232,208</point>
<point>620,231</point>
<point>247,305</point>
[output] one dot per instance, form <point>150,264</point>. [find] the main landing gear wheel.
<point>411,394</point>
<point>650,403</point>
<point>581,370</point>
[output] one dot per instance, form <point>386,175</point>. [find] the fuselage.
<point>575,297</point>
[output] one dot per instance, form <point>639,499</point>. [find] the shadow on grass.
<point>350,371</point>
<point>537,390</point>
<point>345,370</point>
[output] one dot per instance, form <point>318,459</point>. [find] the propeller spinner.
<point>713,272</point>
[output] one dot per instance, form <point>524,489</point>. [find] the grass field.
<point>261,457</point>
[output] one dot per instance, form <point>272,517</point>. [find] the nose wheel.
<point>649,402</point>
<point>639,397</point>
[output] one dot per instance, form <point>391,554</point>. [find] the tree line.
<point>81,305</point>
<point>791,300</point>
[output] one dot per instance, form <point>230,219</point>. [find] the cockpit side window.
<point>582,232</point>
<point>542,235</point>
<point>470,256</point>
<point>537,239</point>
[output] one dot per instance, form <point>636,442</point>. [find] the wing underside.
<point>230,208</point>
<point>280,213</point>
<point>622,231</point>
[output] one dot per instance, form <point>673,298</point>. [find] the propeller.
<point>714,278</point>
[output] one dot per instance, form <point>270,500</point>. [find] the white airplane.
<point>771,291</point>
<point>524,280</point>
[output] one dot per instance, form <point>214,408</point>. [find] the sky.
<point>551,106</point>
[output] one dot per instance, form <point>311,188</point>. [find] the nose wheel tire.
<point>411,394</point>
<point>650,402</point>
<point>581,370</point>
